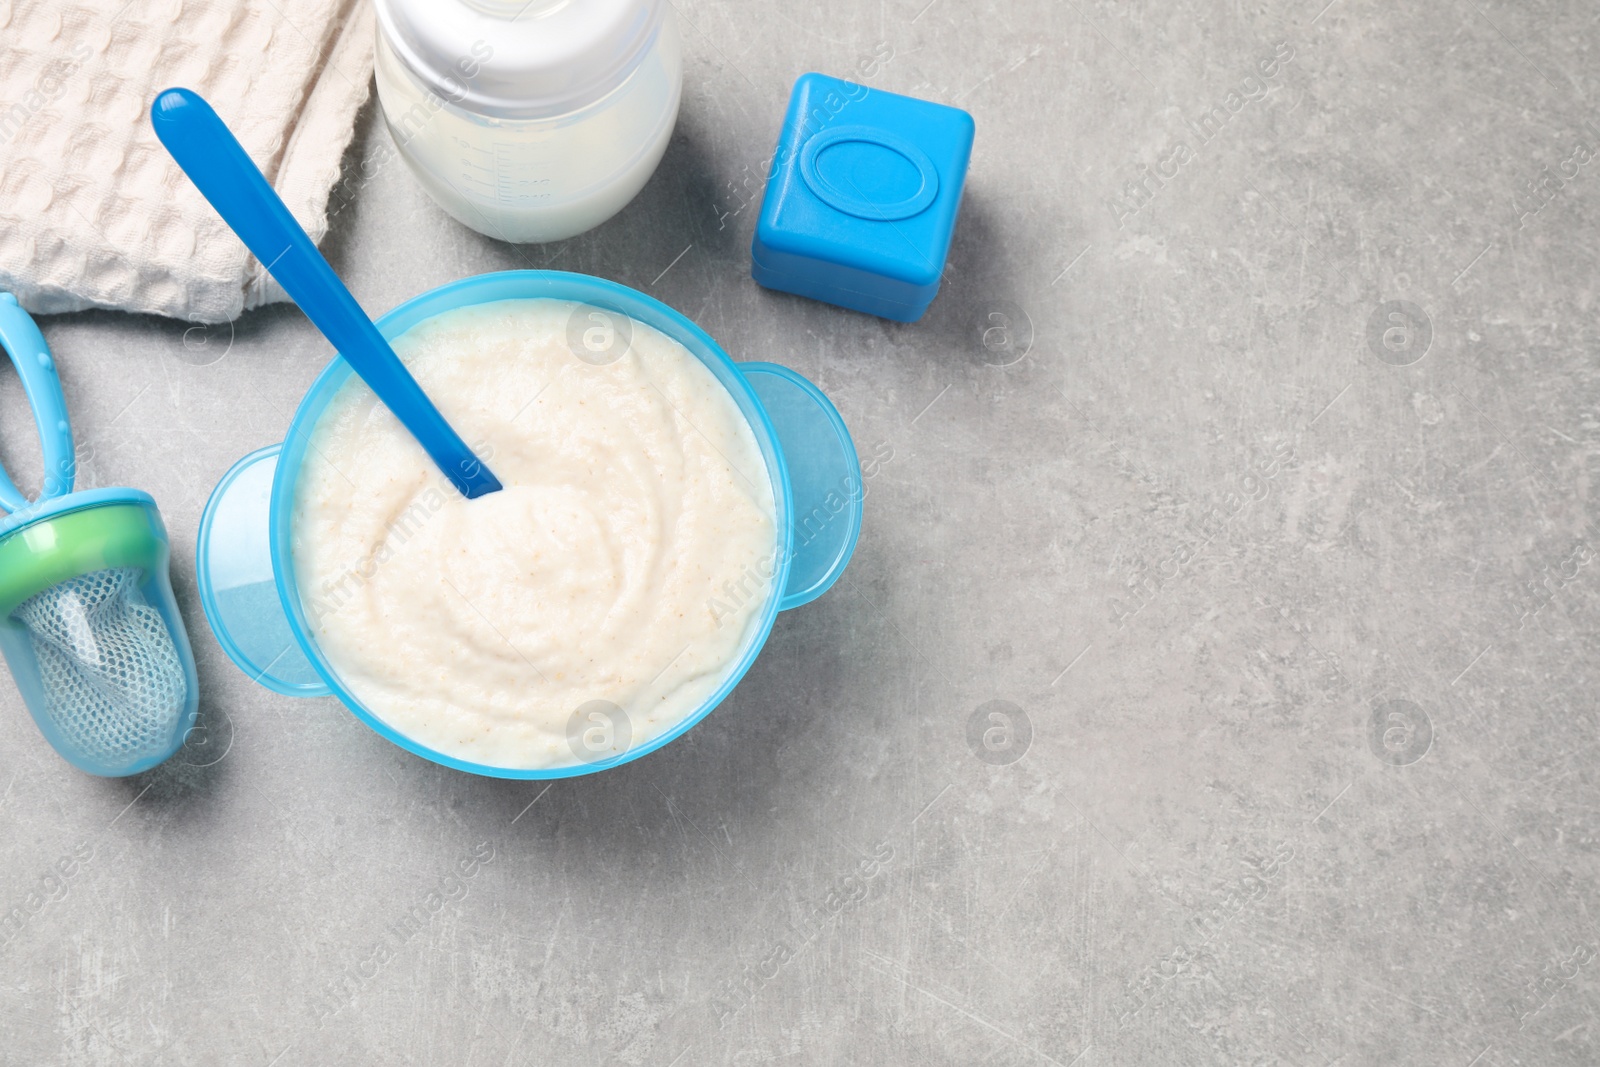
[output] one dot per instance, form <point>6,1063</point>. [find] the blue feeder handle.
<point>23,342</point>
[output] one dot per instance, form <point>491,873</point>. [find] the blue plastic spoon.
<point>220,168</point>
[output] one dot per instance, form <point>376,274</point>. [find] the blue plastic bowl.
<point>246,567</point>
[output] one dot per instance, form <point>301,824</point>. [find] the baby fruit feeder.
<point>88,623</point>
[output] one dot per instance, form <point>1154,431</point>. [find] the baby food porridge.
<point>635,497</point>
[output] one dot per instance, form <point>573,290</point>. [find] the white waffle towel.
<point>93,212</point>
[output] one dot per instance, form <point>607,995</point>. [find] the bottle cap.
<point>520,59</point>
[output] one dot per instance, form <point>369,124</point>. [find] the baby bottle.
<point>88,623</point>
<point>529,120</point>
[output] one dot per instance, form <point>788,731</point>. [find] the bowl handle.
<point>824,478</point>
<point>233,565</point>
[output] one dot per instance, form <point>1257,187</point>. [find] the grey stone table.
<point>1248,458</point>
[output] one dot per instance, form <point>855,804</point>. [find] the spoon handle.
<point>221,169</point>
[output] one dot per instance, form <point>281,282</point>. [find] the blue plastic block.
<point>863,197</point>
